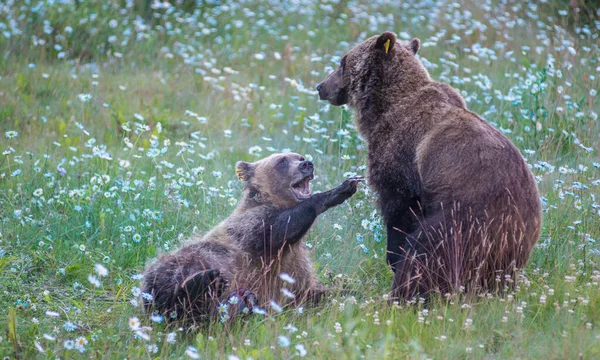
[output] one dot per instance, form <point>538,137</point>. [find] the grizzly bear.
<point>460,204</point>
<point>256,252</point>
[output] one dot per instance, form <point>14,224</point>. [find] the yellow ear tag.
<point>240,175</point>
<point>386,45</point>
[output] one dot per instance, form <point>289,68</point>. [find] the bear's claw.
<point>242,301</point>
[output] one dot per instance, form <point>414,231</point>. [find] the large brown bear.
<point>460,204</point>
<point>254,253</point>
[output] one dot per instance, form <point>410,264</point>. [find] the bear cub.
<point>247,259</point>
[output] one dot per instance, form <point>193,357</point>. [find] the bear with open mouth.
<point>248,259</point>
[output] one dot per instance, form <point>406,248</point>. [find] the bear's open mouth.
<point>302,188</point>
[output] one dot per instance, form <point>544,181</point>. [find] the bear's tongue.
<point>302,189</point>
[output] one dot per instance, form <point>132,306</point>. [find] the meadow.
<point>121,122</point>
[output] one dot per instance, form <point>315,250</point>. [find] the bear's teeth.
<point>302,189</point>
<point>307,188</point>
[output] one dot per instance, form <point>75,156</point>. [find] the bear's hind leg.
<point>199,290</point>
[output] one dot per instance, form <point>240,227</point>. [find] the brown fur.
<point>251,248</point>
<point>460,204</point>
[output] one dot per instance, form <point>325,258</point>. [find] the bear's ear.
<point>385,41</point>
<point>414,45</point>
<point>244,170</point>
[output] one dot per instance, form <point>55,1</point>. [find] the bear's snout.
<point>321,90</point>
<point>333,88</point>
<point>306,167</point>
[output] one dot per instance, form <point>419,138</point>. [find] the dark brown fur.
<point>251,248</point>
<point>460,204</point>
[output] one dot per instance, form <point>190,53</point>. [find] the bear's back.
<point>466,161</point>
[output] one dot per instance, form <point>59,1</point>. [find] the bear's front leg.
<point>412,276</point>
<point>341,193</point>
<point>290,225</point>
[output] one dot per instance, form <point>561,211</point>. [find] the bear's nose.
<point>319,86</point>
<point>306,166</point>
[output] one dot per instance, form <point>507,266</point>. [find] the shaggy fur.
<point>247,252</point>
<point>460,204</point>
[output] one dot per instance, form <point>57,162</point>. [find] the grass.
<point>176,98</point>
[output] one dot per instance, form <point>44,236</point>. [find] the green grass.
<point>512,64</point>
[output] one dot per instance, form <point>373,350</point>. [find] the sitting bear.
<point>460,204</point>
<point>250,250</point>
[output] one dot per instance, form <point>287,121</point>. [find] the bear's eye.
<point>302,158</point>
<point>282,162</point>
